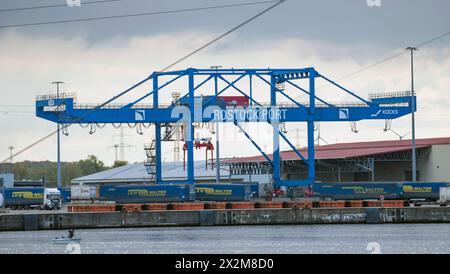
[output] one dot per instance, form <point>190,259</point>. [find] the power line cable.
<point>423,44</point>
<point>56,6</point>
<point>432,40</point>
<point>135,14</point>
<point>371,66</point>
<point>394,56</point>
<point>223,35</point>
<point>166,68</point>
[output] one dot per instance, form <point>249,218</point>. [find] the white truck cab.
<point>52,198</point>
<point>444,196</point>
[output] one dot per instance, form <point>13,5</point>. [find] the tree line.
<point>37,170</point>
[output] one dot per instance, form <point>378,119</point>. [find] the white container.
<point>444,195</point>
<point>82,192</point>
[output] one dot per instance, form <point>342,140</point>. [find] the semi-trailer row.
<point>37,197</point>
<point>27,197</point>
<point>413,191</point>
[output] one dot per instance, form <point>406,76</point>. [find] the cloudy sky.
<point>98,59</point>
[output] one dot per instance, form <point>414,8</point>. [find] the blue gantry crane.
<point>191,108</point>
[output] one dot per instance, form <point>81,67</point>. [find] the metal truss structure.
<point>188,110</point>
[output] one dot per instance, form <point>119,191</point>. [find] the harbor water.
<point>291,239</point>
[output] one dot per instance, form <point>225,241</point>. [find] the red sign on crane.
<point>241,101</point>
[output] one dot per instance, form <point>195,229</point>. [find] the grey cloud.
<point>396,23</point>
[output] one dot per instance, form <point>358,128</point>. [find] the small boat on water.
<point>67,239</point>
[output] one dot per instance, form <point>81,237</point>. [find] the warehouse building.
<point>362,161</point>
<point>344,162</point>
<point>173,171</point>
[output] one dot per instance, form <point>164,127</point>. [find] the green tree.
<point>119,163</point>
<point>20,171</point>
<point>29,170</point>
<point>91,165</point>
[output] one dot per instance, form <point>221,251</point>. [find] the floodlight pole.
<point>413,123</point>
<point>58,175</point>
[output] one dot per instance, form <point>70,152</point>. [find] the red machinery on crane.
<point>242,101</point>
<point>198,144</point>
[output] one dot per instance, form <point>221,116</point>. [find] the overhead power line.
<point>432,40</point>
<point>394,56</point>
<point>371,66</point>
<point>57,6</point>
<point>423,44</point>
<point>223,35</point>
<point>166,68</point>
<point>135,14</point>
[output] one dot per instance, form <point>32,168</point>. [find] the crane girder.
<point>214,113</point>
<point>191,108</point>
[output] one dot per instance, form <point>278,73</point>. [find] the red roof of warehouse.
<point>350,150</point>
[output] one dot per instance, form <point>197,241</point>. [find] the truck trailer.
<point>31,197</point>
<point>123,194</point>
<point>223,192</point>
<point>417,192</point>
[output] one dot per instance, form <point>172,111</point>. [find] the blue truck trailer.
<point>426,191</point>
<point>124,194</point>
<point>22,197</point>
<point>357,190</point>
<point>254,188</point>
<point>223,192</point>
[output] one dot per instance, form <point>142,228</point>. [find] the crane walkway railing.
<point>267,105</point>
<point>386,95</point>
<point>281,105</point>
<point>63,95</point>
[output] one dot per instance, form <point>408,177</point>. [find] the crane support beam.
<point>254,143</point>
<point>276,133</point>
<point>190,128</point>
<point>293,113</point>
<point>201,103</point>
<point>310,130</point>
<point>158,167</point>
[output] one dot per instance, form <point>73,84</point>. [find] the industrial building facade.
<point>172,171</point>
<point>345,162</point>
<point>362,161</point>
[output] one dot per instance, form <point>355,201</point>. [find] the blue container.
<point>146,193</point>
<point>65,194</point>
<point>222,192</point>
<point>15,196</point>
<point>422,190</point>
<point>105,192</point>
<point>357,191</point>
<point>254,187</point>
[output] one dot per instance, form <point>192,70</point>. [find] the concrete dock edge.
<point>64,220</point>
